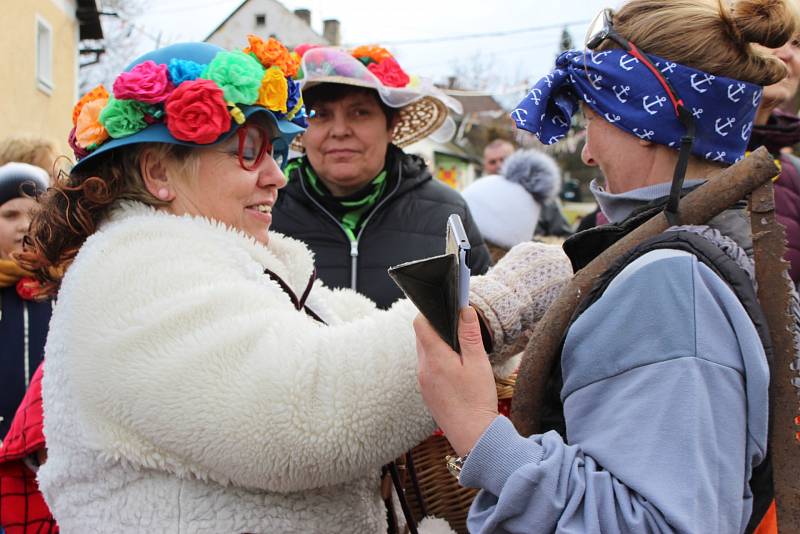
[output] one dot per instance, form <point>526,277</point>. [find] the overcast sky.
<point>507,59</point>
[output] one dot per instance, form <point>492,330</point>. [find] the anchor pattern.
<point>734,91</point>
<point>559,121</point>
<point>701,82</point>
<point>629,96</point>
<point>627,61</point>
<point>722,127</point>
<point>649,103</point>
<point>622,92</point>
<point>597,57</point>
<point>520,116</point>
<point>747,129</point>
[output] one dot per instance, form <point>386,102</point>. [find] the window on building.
<point>261,20</point>
<point>44,55</point>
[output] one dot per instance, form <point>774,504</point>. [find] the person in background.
<point>551,221</point>
<point>779,131</point>
<point>197,377</point>
<point>663,376</point>
<point>494,154</point>
<point>506,206</point>
<point>32,150</point>
<point>22,506</point>
<point>25,167</point>
<point>23,320</point>
<point>355,198</point>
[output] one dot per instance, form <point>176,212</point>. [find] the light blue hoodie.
<point>665,399</point>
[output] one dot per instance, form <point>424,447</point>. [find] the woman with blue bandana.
<point>656,415</point>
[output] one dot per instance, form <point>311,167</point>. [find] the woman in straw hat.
<point>358,201</point>
<point>197,378</point>
<point>655,417</point>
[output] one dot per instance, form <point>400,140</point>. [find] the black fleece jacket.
<point>407,223</point>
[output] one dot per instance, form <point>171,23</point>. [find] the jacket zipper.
<point>26,343</point>
<point>354,244</point>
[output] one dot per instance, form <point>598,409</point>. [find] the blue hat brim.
<point>158,133</point>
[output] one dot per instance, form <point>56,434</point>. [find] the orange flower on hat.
<point>98,92</point>
<point>374,52</point>
<point>272,54</point>
<point>89,132</point>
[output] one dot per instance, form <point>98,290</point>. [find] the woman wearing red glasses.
<point>656,413</point>
<point>197,379</point>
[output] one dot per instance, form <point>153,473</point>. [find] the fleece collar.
<point>284,256</point>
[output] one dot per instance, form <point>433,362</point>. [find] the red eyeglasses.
<point>601,29</point>
<point>254,142</point>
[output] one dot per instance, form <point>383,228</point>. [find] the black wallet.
<point>432,285</point>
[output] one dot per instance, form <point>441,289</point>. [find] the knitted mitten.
<point>516,292</point>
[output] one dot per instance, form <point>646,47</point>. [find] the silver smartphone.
<point>458,244</point>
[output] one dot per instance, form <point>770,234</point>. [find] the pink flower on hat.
<point>146,82</point>
<point>305,47</point>
<point>196,112</point>
<point>389,72</point>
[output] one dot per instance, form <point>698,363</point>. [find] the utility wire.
<point>450,60</point>
<point>482,35</point>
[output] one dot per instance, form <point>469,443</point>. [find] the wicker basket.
<point>443,496</point>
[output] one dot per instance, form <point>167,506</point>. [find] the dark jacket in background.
<point>23,331</point>
<point>782,131</point>
<point>552,221</point>
<point>407,223</point>
<point>787,210</point>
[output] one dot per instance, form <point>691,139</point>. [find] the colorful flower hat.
<point>423,107</point>
<point>192,94</point>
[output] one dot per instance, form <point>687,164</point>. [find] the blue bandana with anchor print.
<point>623,91</point>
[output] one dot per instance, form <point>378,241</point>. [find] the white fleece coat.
<point>184,393</point>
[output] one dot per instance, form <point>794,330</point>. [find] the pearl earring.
<point>163,193</point>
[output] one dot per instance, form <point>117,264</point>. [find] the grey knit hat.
<point>506,206</point>
<point>537,172</point>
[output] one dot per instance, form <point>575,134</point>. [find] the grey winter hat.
<point>21,179</point>
<point>506,206</point>
<point>537,172</point>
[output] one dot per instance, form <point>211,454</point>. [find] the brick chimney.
<point>304,15</point>
<point>330,32</point>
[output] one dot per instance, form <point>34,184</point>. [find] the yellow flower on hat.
<point>274,92</point>
<point>89,132</point>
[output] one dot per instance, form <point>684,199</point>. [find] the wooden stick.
<point>774,290</point>
<point>698,207</point>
